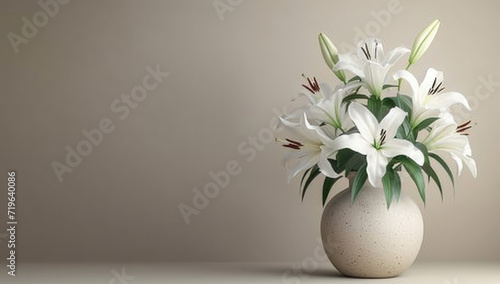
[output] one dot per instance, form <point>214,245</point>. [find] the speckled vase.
<point>367,240</point>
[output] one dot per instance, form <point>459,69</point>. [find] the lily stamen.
<point>383,135</point>
<point>289,143</point>
<point>366,51</point>
<point>313,86</point>
<point>435,89</point>
<point>464,127</point>
<point>294,142</point>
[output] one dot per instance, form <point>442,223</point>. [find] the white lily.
<point>370,64</point>
<point>427,98</point>
<point>314,92</point>
<point>449,137</point>
<point>376,140</point>
<point>306,147</point>
<point>324,105</point>
<point>332,111</point>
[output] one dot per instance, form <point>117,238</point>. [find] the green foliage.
<point>359,181</point>
<point>415,173</point>
<point>327,187</point>
<point>312,175</point>
<point>444,165</point>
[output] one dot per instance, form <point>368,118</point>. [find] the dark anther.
<point>435,89</point>
<point>464,127</point>
<point>383,135</point>
<point>313,87</point>
<point>294,142</point>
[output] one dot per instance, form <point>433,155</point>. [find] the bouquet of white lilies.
<point>359,127</point>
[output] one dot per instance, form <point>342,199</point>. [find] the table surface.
<point>135,273</point>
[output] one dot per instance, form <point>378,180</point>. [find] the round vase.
<point>366,239</point>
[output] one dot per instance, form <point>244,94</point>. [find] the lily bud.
<point>330,54</point>
<point>423,41</point>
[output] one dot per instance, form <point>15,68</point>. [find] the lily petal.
<point>310,160</point>
<point>351,63</point>
<point>396,147</point>
<point>445,100</point>
<point>354,141</point>
<point>365,121</point>
<point>326,168</point>
<point>431,75</point>
<point>394,55</point>
<point>469,162</point>
<point>391,122</point>
<point>375,77</point>
<point>376,168</point>
<point>408,77</point>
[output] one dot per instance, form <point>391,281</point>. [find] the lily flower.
<point>324,106</point>
<point>376,140</point>
<point>449,137</point>
<point>428,99</point>
<point>370,64</point>
<point>306,146</point>
<point>314,92</point>
<point>332,111</point>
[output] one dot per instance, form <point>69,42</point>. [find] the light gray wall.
<point>227,72</point>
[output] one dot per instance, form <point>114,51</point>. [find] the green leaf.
<point>354,163</point>
<point>355,78</point>
<point>304,176</point>
<point>415,173</point>
<point>396,187</point>
<point>424,151</point>
<point>388,102</point>
<point>327,187</point>
<point>352,97</point>
<point>404,102</point>
<point>401,133</point>
<point>358,182</point>
<point>444,165</point>
<point>432,174</point>
<point>388,182</point>
<point>343,156</point>
<point>422,125</point>
<point>389,86</point>
<point>314,173</point>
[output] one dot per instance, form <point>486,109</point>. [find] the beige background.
<point>227,74</point>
